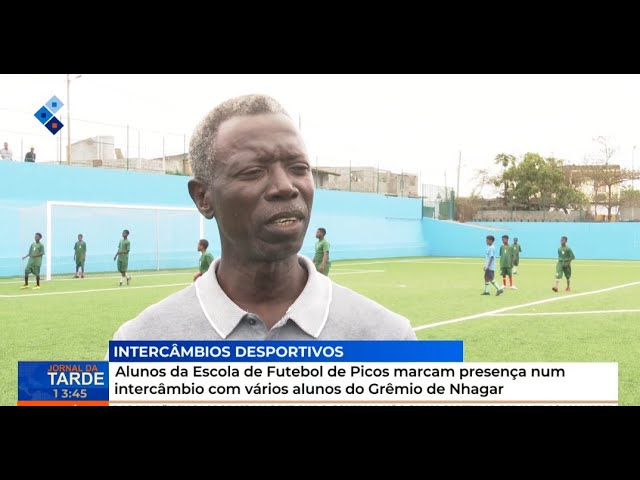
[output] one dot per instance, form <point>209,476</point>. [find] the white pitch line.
<point>144,286</point>
<point>357,272</point>
<point>542,314</point>
<point>625,264</point>
<point>523,305</point>
<point>80,280</point>
<point>121,289</point>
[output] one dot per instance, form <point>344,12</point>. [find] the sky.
<point>411,123</point>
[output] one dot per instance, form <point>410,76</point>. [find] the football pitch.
<point>599,321</point>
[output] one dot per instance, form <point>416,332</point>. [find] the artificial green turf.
<point>77,325</point>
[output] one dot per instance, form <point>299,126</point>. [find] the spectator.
<point>5,153</point>
<point>30,156</point>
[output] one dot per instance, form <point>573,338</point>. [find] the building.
<point>101,152</point>
<point>370,179</point>
<point>581,177</point>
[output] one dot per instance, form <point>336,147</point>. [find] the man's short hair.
<point>491,237</point>
<point>126,231</point>
<point>39,234</point>
<point>324,232</point>
<point>202,147</point>
<point>505,236</point>
<point>564,238</point>
<point>204,242</point>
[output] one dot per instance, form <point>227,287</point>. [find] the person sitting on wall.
<point>30,156</point>
<point>5,153</point>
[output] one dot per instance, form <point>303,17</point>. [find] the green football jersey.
<point>35,249</point>
<point>124,245</point>
<point>506,256</point>
<point>80,249</point>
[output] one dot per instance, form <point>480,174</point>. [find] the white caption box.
<point>286,383</point>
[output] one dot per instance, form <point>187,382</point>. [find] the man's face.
<point>79,238</point>
<point>199,247</point>
<point>6,145</point>
<point>489,242</point>
<point>318,234</point>
<point>505,241</point>
<point>563,241</point>
<point>515,241</point>
<point>37,238</point>
<point>125,235</point>
<point>262,191</point>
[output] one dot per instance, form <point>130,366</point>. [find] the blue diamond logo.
<point>54,125</point>
<point>43,115</point>
<point>54,104</point>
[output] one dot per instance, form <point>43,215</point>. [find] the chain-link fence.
<point>438,202</point>
<point>97,144</point>
<point>353,176</point>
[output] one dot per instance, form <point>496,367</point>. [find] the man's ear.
<point>198,191</point>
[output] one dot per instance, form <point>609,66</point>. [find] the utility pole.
<point>68,122</point>
<point>458,180</point>
<point>69,117</point>
<point>633,167</point>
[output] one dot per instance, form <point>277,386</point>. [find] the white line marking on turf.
<point>542,314</point>
<point>122,289</point>
<point>523,305</point>
<point>97,277</point>
<point>538,263</point>
<point>355,272</point>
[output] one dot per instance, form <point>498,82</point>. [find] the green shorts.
<point>35,269</point>
<point>561,269</point>
<point>506,271</point>
<point>123,264</point>
<point>327,267</point>
<point>79,264</point>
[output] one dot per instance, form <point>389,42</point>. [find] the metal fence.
<point>97,144</point>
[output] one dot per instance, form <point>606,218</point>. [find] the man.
<point>206,258</point>
<point>80,255</point>
<point>489,267</point>
<point>123,257</point>
<point>36,251</point>
<point>5,153</point>
<point>517,249</point>
<point>506,263</point>
<point>30,156</point>
<point>321,259</point>
<point>563,267</point>
<point>253,175</point>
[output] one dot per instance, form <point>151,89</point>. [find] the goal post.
<point>161,236</point>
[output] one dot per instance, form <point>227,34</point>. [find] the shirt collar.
<point>309,311</point>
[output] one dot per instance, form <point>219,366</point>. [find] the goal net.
<point>161,237</point>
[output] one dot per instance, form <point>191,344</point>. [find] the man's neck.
<point>265,288</point>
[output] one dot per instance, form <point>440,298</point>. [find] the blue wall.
<point>41,182</point>
<point>610,241</point>
<point>358,225</point>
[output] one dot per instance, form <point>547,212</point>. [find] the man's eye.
<point>252,173</point>
<point>300,168</point>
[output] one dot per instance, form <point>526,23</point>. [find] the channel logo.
<point>46,115</point>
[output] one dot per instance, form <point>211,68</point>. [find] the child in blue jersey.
<point>490,266</point>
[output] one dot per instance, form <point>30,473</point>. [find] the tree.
<point>537,183</point>
<point>503,181</point>
<point>606,177</point>
<point>483,178</point>
<point>630,197</point>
